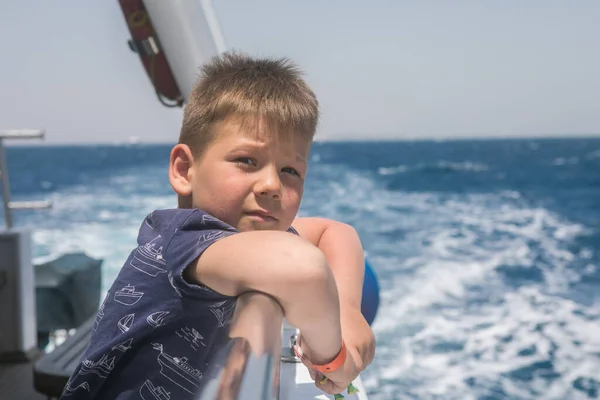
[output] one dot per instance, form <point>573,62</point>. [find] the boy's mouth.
<point>262,215</point>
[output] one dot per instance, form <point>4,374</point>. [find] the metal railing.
<point>247,367</point>
<point>9,206</point>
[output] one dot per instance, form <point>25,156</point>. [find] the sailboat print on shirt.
<point>223,311</point>
<point>149,221</point>
<point>100,313</point>
<point>123,346</point>
<point>157,319</point>
<point>125,323</point>
<point>149,259</point>
<point>207,219</point>
<point>102,367</point>
<point>69,390</point>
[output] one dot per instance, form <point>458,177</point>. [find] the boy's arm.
<point>286,267</point>
<point>342,247</point>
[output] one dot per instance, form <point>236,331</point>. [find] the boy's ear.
<point>180,162</point>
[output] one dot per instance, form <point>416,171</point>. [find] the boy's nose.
<point>269,184</point>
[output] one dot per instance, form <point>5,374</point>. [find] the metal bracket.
<point>145,47</point>
<point>287,353</point>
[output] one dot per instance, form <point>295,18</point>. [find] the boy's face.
<point>250,180</point>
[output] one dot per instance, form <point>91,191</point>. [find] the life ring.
<point>144,41</point>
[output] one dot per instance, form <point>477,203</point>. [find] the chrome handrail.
<point>247,367</point>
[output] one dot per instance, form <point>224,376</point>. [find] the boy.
<point>238,171</point>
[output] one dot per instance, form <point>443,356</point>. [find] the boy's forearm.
<point>286,267</point>
<point>341,245</point>
<point>342,248</point>
<point>313,307</point>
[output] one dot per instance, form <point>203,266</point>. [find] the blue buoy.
<point>370,294</point>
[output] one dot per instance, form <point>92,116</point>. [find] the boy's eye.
<point>290,170</point>
<point>246,160</point>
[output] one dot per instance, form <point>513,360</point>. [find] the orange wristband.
<point>335,364</point>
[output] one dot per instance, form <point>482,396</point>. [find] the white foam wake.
<point>453,325</point>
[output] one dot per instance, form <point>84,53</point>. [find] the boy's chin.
<point>246,225</point>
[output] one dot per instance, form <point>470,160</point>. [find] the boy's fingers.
<point>321,379</point>
<point>371,354</point>
<point>366,355</point>
<point>357,359</point>
<point>328,386</point>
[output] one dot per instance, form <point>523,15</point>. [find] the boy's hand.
<point>359,338</point>
<point>337,381</point>
<point>360,347</point>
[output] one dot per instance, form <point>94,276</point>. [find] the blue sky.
<point>381,69</point>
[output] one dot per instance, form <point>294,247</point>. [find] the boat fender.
<point>370,294</point>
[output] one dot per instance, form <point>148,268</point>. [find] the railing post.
<point>5,186</point>
<point>18,322</point>
<point>12,205</point>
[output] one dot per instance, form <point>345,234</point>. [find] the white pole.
<point>189,35</point>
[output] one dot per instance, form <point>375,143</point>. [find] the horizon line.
<point>43,143</point>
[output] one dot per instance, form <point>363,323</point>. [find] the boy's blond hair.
<point>269,91</point>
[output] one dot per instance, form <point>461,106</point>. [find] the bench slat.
<point>52,371</point>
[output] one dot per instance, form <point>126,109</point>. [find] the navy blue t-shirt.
<point>155,333</point>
